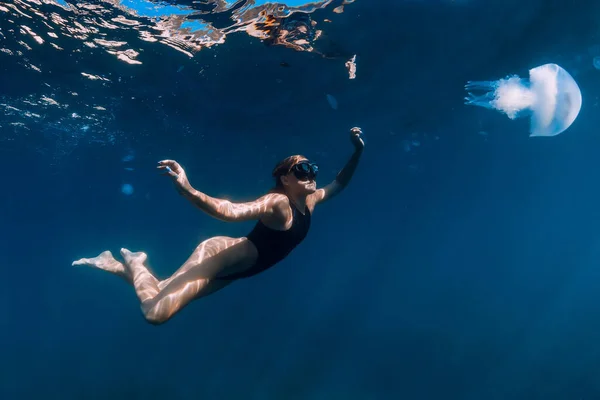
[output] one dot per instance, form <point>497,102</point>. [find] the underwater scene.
<point>320,200</point>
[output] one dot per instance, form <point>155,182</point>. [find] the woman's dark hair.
<point>283,168</point>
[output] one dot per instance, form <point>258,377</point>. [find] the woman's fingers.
<point>168,171</point>
<point>172,165</point>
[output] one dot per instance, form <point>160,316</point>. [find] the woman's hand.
<point>176,173</point>
<point>356,138</point>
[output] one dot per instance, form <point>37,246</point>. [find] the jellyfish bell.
<point>551,98</point>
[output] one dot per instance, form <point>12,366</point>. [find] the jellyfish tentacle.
<point>481,85</point>
<point>483,99</point>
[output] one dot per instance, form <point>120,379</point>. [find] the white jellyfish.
<point>550,97</point>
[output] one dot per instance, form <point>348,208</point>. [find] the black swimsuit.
<point>273,245</point>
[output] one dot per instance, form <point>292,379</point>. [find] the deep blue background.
<point>465,268</point>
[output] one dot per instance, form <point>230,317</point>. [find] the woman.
<point>283,216</point>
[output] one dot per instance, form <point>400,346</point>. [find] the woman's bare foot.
<point>133,258</point>
<point>106,262</point>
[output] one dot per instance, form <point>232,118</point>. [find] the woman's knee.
<point>155,315</point>
<point>155,319</point>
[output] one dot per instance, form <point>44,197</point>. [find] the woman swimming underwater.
<point>283,219</point>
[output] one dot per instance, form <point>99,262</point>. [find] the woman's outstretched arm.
<point>345,175</point>
<point>224,210</point>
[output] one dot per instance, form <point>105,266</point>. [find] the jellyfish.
<point>551,98</point>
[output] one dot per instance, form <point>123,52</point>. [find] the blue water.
<point>462,262</point>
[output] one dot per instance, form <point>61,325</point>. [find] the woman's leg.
<point>161,300</point>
